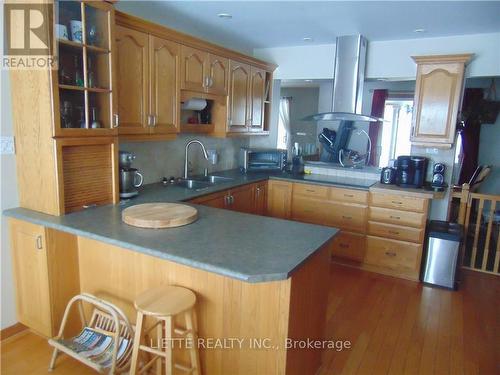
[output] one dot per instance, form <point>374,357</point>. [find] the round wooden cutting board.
<point>159,215</point>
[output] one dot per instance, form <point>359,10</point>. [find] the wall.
<point>386,59</point>
<point>156,160</point>
<point>9,199</point>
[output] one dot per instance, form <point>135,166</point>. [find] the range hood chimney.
<point>350,62</point>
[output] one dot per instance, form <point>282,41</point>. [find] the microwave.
<point>262,159</point>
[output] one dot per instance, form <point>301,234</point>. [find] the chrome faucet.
<point>186,162</point>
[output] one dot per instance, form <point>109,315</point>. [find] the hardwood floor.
<point>395,327</point>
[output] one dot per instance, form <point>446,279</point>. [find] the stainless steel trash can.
<point>442,254</point>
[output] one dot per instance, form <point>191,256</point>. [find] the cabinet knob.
<point>390,254</point>
<point>154,120</point>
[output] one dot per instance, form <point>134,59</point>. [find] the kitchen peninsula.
<point>255,277</point>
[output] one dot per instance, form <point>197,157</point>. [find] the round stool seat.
<point>165,300</point>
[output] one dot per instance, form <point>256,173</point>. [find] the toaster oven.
<point>262,159</point>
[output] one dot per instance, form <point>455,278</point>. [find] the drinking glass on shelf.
<point>66,114</point>
<point>93,35</point>
<point>95,124</point>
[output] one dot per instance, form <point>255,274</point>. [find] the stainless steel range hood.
<point>350,62</point>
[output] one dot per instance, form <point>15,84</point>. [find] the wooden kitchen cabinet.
<point>279,199</point>
<point>239,97</point>
<point>44,261</point>
<point>438,96</point>
<point>242,199</point>
<point>133,85</point>
<point>261,198</point>
<point>216,200</point>
<point>204,72</point>
<point>149,87</point>
<point>246,98</point>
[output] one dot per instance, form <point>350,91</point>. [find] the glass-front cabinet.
<point>84,96</point>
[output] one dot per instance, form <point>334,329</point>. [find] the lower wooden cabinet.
<point>351,246</point>
<point>279,199</point>
<point>44,261</point>
<point>251,198</point>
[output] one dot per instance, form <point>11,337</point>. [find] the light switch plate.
<point>7,146</point>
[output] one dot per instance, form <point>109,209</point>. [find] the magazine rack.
<point>105,342</point>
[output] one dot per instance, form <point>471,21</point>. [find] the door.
<point>239,116</point>
<point>242,199</point>
<point>193,75</point>
<point>132,80</point>
<point>261,198</point>
<point>165,73</point>
<point>29,257</point>
<point>257,92</point>
<point>279,199</point>
<point>218,73</point>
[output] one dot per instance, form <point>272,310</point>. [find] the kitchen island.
<point>259,281</point>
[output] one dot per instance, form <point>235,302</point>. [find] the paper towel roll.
<point>194,104</point>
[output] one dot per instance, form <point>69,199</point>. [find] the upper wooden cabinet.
<point>203,72</point>
<point>247,97</point>
<point>133,84</point>
<point>148,87</point>
<point>438,94</point>
<point>84,100</point>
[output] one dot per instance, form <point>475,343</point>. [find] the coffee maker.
<point>130,178</point>
<point>411,171</point>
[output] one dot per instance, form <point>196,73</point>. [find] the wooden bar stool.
<point>163,304</point>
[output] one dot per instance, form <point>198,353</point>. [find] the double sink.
<point>203,182</point>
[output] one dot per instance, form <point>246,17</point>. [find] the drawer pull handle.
<point>311,191</point>
<point>396,202</point>
<point>39,244</point>
<point>348,195</point>
<point>395,217</point>
<point>390,254</point>
<point>394,232</point>
<point>347,217</point>
<point>344,245</point>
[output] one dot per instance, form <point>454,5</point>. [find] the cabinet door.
<point>257,89</point>
<point>218,73</point>
<point>279,199</point>
<point>239,115</point>
<point>437,102</point>
<point>243,199</point>
<point>165,73</point>
<point>261,198</point>
<point>193,75</point>
<point>216,200</point>
<point>132,80</point>
<point>29,256</point>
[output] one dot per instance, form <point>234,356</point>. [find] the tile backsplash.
<point>156,160</point>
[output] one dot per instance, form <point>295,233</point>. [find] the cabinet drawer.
<point>348,217</point>
<point>348,195</point>
<point>308,210</point>
<point>396,255</point>
<point>350,246</point>
<point>384,215</point>
<point>312,191</point>
<point>396,232</point>
<point>398,202</point>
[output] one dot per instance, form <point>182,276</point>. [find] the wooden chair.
<point>108,325</point>
<point>163,304</point>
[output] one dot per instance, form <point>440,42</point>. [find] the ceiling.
<point>259,24</point>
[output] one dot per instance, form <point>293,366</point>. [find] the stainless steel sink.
<point>193,184</point>
<point>215,179</point>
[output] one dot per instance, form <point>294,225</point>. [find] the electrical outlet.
<point>7,146</point>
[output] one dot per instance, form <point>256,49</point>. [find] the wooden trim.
<point>445,59</point>
<point>146,137</point>
<point>161,31</point>
<point>12,330</point>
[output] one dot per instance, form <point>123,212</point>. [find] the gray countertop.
<point>242,246</point>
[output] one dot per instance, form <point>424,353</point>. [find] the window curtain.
<point>375,129</point>
<point>284,138</point>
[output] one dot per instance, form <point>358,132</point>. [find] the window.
<point>396,130</point>
<point>284,123</point>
